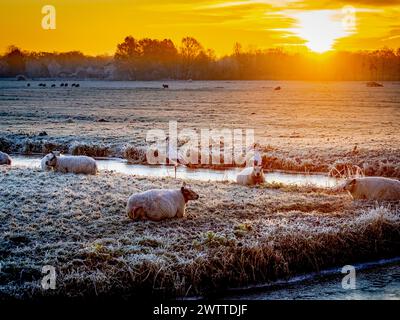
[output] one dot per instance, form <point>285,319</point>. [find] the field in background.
<point>306,126</point>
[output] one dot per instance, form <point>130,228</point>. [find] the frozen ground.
<point>306,126</point>
<point>233,236</point>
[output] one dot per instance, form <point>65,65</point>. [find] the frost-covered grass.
<point>307,126</point>
<point>232,236</point>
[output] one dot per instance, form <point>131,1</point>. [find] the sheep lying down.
<point>4,158</point>
<point>159,204</point>
<point>69,164</point>
<point>373,188</point>
<point>251,176</point>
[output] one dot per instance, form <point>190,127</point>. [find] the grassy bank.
<point>232,236</point>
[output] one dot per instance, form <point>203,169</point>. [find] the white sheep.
<point>373,188</point>
<point>159,204</point>
<point>69,164</point>
<point>4,158</point>
<point>251,176</point>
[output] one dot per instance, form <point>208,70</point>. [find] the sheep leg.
<point>180,213</point>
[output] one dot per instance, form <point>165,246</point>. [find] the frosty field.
<point>306,126</point>
<point>233,236</point>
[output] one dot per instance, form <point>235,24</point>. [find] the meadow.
<point>307,126</point>
<point>233,236</point>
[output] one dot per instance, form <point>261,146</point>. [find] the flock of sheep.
<point>159,204</point>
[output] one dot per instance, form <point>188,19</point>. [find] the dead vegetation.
<point>232,236</point>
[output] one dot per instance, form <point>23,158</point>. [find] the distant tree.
<point>126,56</point>
<point>190,50</point>
<point>15,60</point>
<point>128,49</point>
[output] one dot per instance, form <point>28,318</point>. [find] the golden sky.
<point>96,26</point>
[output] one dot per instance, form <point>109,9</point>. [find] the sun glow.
<point>322,28</point>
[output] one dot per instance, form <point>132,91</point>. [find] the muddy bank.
<point>232,236</point>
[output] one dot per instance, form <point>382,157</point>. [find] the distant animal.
<point>372,84</point>
<point>21,77</point>
<point>44,84</point>
<point>28,85</point>
<point>165,86</point>
<point>53,85</point>
<point>77,85</point>
<point>372,188</point>
<point>160,204</point>
<point>66,85</point>
<point>5,158</point>
<point>251,176</point>
<point>62,85</point>
<point>73,85</point>
<point>277,88</point>
<point>69,164</point>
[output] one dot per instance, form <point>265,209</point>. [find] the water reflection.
<point>377,283</point>
<point>121,166</point>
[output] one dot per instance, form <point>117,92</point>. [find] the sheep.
<point>5,158</point>
<point>251,176</point>
<point>160,204</point>
<point>69,164</point>
<point>372,188</point>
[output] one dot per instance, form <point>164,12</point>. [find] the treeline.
<point>151,59</point>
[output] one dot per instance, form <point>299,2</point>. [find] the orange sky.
<point>96,26</point>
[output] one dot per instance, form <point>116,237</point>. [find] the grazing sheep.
<point>251,176</point>
<point>159,204</point>
<point>69,164</point>
<point>373,188</point>
<point>4,158</point>
<point>165,86</point>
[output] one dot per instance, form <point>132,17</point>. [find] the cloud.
<point>334,4</point>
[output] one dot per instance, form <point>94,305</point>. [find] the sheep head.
<point>51,160</point>
<point>188,193</point>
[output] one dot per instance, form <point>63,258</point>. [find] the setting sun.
<point>320,29</point>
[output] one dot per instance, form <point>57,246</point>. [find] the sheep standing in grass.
<point>4,158</point>
<point>69,164</point>
<point>373,188</point>
<point>251,176</point>
<point>159,204</point>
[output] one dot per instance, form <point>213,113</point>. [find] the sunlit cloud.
<point>321,28</point>
<point>96,26</point>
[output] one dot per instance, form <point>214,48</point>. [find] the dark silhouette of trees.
<point>146,59</point>
<point>152,59</point>
<point>15,60</point>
